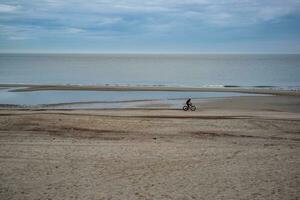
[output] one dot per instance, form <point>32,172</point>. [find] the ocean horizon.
<point>172,69</point>
<point>266,71</point>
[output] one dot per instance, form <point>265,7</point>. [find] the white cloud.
<point>45,18</point>
<point>270,13</point>
<point>18,38</point>
<point>215,12</point>
<point>239,13</point>
<point>7,8</point>
<point>74,30</point>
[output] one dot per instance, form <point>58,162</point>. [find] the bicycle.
<point>190,107</point>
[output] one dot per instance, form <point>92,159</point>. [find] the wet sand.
<point>230,148</point>
<point>262,90</point>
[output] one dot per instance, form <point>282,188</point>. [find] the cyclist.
<point>188,102</point>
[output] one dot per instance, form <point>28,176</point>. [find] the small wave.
<point>231,86</point>
<point>158,85</point>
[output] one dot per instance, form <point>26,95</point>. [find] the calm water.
<point>105,97</point>
<point>114,69</point>
<point>174,70</point>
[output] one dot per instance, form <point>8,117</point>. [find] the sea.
<point>275,71</point>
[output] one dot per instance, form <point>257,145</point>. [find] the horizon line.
<point>154,53</point>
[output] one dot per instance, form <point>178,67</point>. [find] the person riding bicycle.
<point>188,102</point>
<point>189,106</point>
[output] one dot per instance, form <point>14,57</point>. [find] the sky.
<point>140,26</point>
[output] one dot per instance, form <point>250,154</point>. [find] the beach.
<point>150,100</point>
<point>244,147</point>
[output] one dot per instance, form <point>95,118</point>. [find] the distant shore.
<point>262,90</point>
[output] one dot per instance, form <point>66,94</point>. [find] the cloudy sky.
<point>207,26</point>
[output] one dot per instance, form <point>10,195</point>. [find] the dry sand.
<point>232,148</point>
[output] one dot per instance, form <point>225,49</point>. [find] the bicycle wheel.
<point>185,108</point>
<point>193,108</point>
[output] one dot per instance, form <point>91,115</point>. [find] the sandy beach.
<point>150,100</point>
<point>230,148</point>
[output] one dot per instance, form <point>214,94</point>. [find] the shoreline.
<point>252,104</point>
<point>234,89</point>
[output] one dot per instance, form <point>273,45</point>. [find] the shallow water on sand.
<point>100,99</point>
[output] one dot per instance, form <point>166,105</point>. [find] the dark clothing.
<point>188,102</point>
